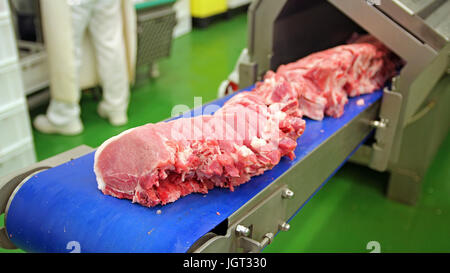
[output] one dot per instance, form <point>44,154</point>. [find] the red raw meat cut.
<point>156,164</point>
<point>159,163</point>
<point>328,77</point>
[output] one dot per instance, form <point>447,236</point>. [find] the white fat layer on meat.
<point>275,109</point>
<point>184,155</point>
<point>234,157</point>
<point>100,183</point>
<point>280,115</point>
<point>244,151</point>
<point>137,190</point>
<point>257,143</point>
<point>272,80</point>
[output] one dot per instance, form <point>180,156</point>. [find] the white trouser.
<point>103,20</point>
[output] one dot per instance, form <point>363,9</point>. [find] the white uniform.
<point>103,20</point>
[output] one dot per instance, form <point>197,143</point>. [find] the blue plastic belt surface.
<point>63,204</point>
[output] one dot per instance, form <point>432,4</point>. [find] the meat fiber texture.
<point>156,164</point>
<point>159,163</point>
<point>327,78</point>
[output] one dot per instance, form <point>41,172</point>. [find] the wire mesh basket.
<point>155,28</point>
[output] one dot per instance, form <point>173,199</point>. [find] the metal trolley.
<point>155,24</point>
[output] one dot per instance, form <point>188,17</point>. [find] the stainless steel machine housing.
<point>414,111</point>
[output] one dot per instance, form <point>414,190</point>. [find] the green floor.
<point>347,213</point>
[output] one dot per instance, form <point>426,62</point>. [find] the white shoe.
<point>116,118</point>
<point>44,125</point>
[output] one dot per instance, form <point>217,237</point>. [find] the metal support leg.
<point>423,134</point>
<point>404,186</point>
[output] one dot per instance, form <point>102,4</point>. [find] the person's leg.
<point>107,34</point>
<point>63,113</point>
<point>81,15</point>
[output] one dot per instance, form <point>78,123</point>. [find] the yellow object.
<point>207,8</point>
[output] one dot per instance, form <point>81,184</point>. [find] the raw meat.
<point>156,164</point>
<point>326,78</point>
<point>159,163</point>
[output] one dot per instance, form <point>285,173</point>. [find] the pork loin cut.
<point>156,164</point>
<point>159,163</point>
<point>328,77</point>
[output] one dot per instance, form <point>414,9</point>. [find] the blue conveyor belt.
<point>63,204</point>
